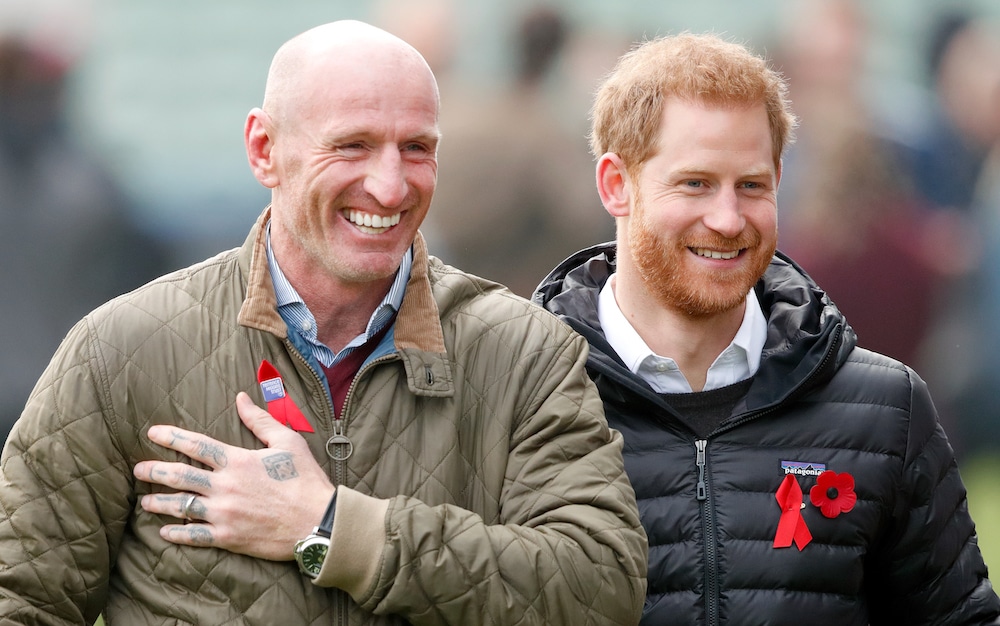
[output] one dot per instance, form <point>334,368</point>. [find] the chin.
<point>713,308</point>
<point>703,297</point>
<point>380,267</point>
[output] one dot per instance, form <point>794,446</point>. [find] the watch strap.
<point>325,527</point>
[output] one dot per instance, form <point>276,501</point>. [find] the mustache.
<point>749,238</point>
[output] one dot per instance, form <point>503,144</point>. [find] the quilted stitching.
<point>449,449</point>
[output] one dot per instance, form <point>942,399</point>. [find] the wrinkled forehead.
<point>381,89</point>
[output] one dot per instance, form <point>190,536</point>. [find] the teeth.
<point>716,254</point>
<point>372,224</point>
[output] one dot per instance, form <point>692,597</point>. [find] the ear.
<point>613,185</point>
<point>257,135</point>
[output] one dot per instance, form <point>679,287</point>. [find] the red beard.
<point>668,273</point>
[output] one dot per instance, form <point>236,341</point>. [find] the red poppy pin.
<point>833,493</point>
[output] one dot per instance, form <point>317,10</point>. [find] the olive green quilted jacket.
<point>484,487</point>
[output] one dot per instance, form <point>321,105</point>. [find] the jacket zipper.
<point>341,442</point>
<point>708,531</point>
<point>703,495</point>
<point>343,448</point>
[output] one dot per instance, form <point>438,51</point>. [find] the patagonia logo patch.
<point>798,468</point>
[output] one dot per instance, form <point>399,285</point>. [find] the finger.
<point>189,534</point>
<point>177,505</point>
<point>194,445</point>
<point>193,507</point>
<point>180,476</point>
<point>262,424</point>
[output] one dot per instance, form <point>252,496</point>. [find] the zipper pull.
<point>702,490</point>
<point>339,447</point>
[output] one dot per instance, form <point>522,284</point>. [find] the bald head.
<point>324,56</point>
<point>347,143</point>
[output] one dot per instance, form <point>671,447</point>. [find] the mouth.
<point>724,255</point>
<point>370,223</point>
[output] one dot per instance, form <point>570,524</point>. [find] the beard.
<point>666,270</point>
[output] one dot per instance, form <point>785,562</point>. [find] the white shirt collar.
<point>737,362</point>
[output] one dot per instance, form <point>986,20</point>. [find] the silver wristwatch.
<point>311,551</point>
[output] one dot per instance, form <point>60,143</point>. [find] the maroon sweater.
<point>340,375</point>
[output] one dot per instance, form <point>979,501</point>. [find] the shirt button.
<point>306,326</point>
<point>662,367</point>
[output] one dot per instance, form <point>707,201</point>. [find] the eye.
<point>416,148</point>
<point>694,184</point>
<point>418,152</point>
<point>755,187</point>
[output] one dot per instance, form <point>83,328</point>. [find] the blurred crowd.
<point>69,240</point>
<point>900,225</point>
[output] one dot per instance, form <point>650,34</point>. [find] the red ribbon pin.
<point>791,526</point>
<point>279,404</point>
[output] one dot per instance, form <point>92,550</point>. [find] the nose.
<point>725,215</point>
<point>385,180</point>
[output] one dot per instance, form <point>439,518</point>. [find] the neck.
<point>342,308</point>
<point>342,312</point>
<point>692,342</point>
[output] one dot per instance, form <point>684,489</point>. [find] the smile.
<point>369,223</point>
<point>716,254</point>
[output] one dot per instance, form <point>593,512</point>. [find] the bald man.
<point>326,425</point>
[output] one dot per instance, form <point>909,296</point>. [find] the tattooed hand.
<point>254,502</point>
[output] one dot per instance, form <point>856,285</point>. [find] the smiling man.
<point>784,474</point>
<point>433,451</point>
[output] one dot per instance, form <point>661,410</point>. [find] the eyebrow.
<point>762,173</point>
<point>697,171</point>
<point>337,135</point>
<point>426,137</point>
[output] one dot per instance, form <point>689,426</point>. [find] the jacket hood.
<point>808,337</point>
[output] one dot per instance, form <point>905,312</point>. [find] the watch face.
<point>311,555</point>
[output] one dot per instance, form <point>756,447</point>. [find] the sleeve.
<point>932,571</point>
<point>60,520</point>
<point>569,548</point>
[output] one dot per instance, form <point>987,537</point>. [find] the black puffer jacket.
<point>905,554</point>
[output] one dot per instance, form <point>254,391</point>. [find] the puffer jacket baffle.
<point>906,554</point>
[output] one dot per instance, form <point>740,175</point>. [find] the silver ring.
<point>186,507</point>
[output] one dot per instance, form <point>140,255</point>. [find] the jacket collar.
<point>808,337</point>
<point>418,324</point>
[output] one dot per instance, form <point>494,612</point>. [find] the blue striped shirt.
<point>301,321</point>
